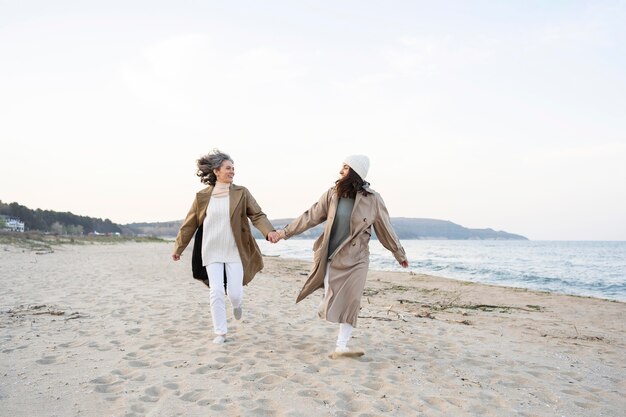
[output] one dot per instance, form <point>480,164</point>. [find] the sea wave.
<point>596,269</point>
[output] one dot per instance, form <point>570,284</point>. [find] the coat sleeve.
<point>310,218</point>
<point>187,230</point>
<point>256,215</point>
<point>385,233</point>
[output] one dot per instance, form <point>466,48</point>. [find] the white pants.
<point>234,273</point>
<point>345,329</point>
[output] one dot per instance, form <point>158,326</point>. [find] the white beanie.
<point>359,164</point>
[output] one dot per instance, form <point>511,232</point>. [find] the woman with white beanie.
<point>341,258</point>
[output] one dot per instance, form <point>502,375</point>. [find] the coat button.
<point>353,243</point>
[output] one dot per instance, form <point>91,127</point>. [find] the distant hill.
<point>406,228</point>
<point>159,229</point>
<point>72,224</point>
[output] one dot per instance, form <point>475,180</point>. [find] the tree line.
<point>58,222</point>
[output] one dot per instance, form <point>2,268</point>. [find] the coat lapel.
<point>236,194</point>
<point>203,198</point>
<point>355,222</point>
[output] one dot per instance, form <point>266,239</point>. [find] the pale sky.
<point>502,114</point>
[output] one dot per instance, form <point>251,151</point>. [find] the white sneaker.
<point>344,352</point>
<point>237,312</point>
<point>219,339</point>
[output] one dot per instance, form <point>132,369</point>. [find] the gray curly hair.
<point>209,162</point>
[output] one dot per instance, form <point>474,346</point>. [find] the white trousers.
<point>234,274</point>
<point>345,329</point>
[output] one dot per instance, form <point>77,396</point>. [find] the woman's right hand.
<point>276,236</point>
<point>176,257</point>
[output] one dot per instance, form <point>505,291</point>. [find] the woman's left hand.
<point>404,264</point>
<point>273,237</point>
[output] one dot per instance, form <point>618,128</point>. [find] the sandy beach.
<point>121,330</point>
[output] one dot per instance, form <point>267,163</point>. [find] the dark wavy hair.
<point>348,186</point>
<point>209,162</point>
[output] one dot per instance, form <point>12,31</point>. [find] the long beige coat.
<point>349,266</point>
<point>242,207</point>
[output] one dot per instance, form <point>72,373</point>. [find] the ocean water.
<point>596,269</point>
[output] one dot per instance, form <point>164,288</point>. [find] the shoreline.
<point>122,330</point>
<point>461,280</point>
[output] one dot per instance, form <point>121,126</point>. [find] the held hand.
<point>176,257</point>
<point>404,264</point>
<point>273,237</point>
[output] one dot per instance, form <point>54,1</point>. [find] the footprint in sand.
<point>107,379</point>
<point>309,393</point>
<point>585,406</point>
<point>152,394</point>
<point>201,351</point>
<point>97,346</point>
<point>176,364</point>
<point>11,350</point>
<point>298,379</point>
<point>72,344</point>
<point>107,384</point>
<point>128,374</point>
<point>124,374</point>
<point>154,391</point>
<point>264,377</point>
<point>47,360</point>
<point>136,408</point>
<point>382,406</point>
<point>112,388</point>
<point>193,396</point>
<point>311,369</point>
<point>437,403</point>
<point>148,346</point>
<point>265,408</point>
<point>373,385</point>
<point>171,385</point>
<point>350,402</point>
<point>208,368</point>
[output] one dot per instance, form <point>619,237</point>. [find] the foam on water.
<point>596,269</point>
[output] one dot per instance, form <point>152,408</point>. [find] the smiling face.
<point>225,172</point>
<point>345,170</point>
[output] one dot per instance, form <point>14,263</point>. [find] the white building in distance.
<point>12,223</point>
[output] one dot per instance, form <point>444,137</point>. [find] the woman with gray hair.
<point>341,253</point>
<point>229,252</point>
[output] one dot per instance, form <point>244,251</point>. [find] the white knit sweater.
<point>218,241</point>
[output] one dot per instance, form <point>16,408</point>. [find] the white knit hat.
<point>359,164</point>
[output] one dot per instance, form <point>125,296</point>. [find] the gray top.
<point>341,225</point>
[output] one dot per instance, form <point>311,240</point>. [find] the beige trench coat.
<point>242,207</point>
<point>349,265</point>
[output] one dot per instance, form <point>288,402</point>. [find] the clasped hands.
<point>276,236</point>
